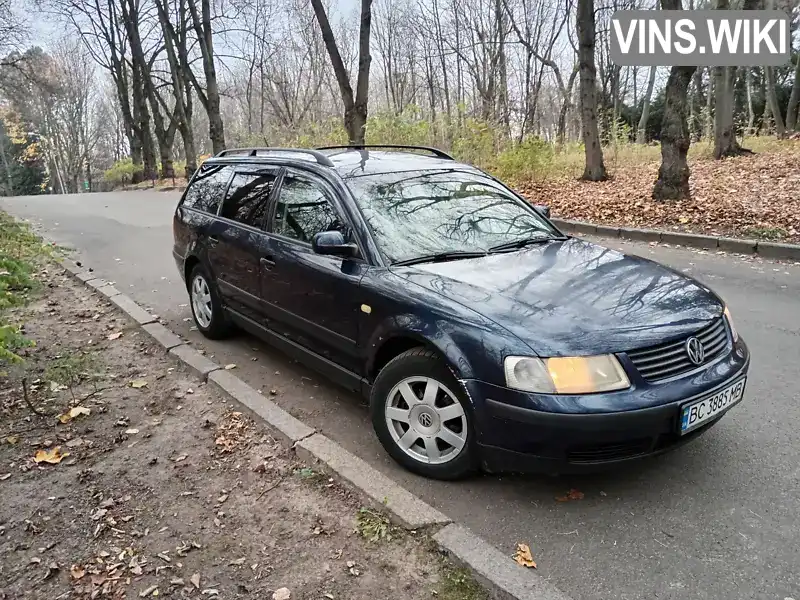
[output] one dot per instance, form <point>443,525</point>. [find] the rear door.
<point>314,299</point>
<point>239,241</point>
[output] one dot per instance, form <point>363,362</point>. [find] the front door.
<point>240,240</point>
<point>313,298</point>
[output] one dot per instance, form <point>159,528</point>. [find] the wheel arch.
<point>188,265</point>
<point>387,346</point>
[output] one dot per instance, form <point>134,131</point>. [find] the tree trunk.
<point>793,109</point>
<point>355,107</point>
<point>562,115</point>
<point>725,142</point>
<point>708,130</point>
<point>772,98</point>
<point>641,131</point>
<point>673,175</point>
<point>595,170</point>
<point>209,98</point>
<point>751,117</point>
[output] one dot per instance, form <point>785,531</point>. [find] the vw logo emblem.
<point>695,350</point>
<point>425,420</point>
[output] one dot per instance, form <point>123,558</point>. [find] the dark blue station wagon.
<point>482,335</point>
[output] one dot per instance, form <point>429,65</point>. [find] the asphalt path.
<point>719,518</point>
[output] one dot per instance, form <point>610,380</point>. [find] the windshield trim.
<point>468,170</point>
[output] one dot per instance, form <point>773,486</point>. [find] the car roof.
<point>347,162</point>
<point>354,163</point>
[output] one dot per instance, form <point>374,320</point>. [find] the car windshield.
<point>420,213</point>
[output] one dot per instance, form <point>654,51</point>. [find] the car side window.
<point>303,210</point>
<point>205,192</point>
<point>247,197</point>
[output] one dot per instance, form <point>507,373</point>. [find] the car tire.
<point>425,437</point>
<point>206,304</point>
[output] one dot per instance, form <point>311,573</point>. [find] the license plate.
<point>693,415</point>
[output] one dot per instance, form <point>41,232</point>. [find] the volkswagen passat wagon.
<point>482,335</point>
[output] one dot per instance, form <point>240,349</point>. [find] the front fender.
<point>473,345</point>
<point>432,334</point>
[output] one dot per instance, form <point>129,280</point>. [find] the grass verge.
<point>20,252</point>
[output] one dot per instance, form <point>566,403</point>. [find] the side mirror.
<point>332,243</point>
<point>543,210</point>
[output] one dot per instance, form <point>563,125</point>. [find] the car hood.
<point>573,298</point>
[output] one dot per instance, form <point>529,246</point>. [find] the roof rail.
<point>435,151</point>
<point>319,156</point>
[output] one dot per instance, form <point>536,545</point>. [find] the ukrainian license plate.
<point>694,414</point>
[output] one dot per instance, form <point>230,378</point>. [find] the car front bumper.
<point>515,434</point>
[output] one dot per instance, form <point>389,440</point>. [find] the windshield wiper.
<point>517,244</point>
<point>440,257</point>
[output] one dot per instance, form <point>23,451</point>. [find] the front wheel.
<point>422,418</point>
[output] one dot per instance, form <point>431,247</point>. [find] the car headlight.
<point>728,317</point>
<point>567,375</point>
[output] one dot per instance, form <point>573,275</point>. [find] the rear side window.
<point>246,201</point>
<point>206,191</point>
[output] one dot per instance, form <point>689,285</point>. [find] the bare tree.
<point>355,106</point>
<point>793,108</point>
<point>208,94</point>
<point>673,175</point>
<point>641,131</point>
<point>176,47</point>
<point>595,170</point>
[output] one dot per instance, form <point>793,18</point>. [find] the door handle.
<point>267,262</point>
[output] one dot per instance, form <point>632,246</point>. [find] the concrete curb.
<point>408,510</point>
<point>772,250</point>
<point>502,578</point>
<point>283,425</point>
<point>492,569</point>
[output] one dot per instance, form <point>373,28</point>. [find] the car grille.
<point>670,359</point>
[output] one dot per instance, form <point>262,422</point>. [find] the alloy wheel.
<point>201,301</point>
<point>426,420</point>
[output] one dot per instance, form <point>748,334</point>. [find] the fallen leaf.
<point>573,494</point>
<point>138,383</point>
<point>181,458</point>
<point>524,557</point>
<point>195,579</point>
<point>115,336</point>
<point>5,476</point>
<point>12,439</point>
<point>281,594</point>
<point>52,455</point>
<point>210,592</point>
<point>74,413</point>
<point>131,431</point>
<point>77,571</point>
<point>236,563</point>
<point>230,366</point>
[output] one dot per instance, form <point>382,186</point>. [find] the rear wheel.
<point>206,306</point>
<point>422,417</point>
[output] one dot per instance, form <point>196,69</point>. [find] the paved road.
<point>717,519</point>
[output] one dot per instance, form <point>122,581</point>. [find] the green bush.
<point>122,172</point>
<point>529,161</point>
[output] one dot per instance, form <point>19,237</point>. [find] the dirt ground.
<point>149,484</point>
